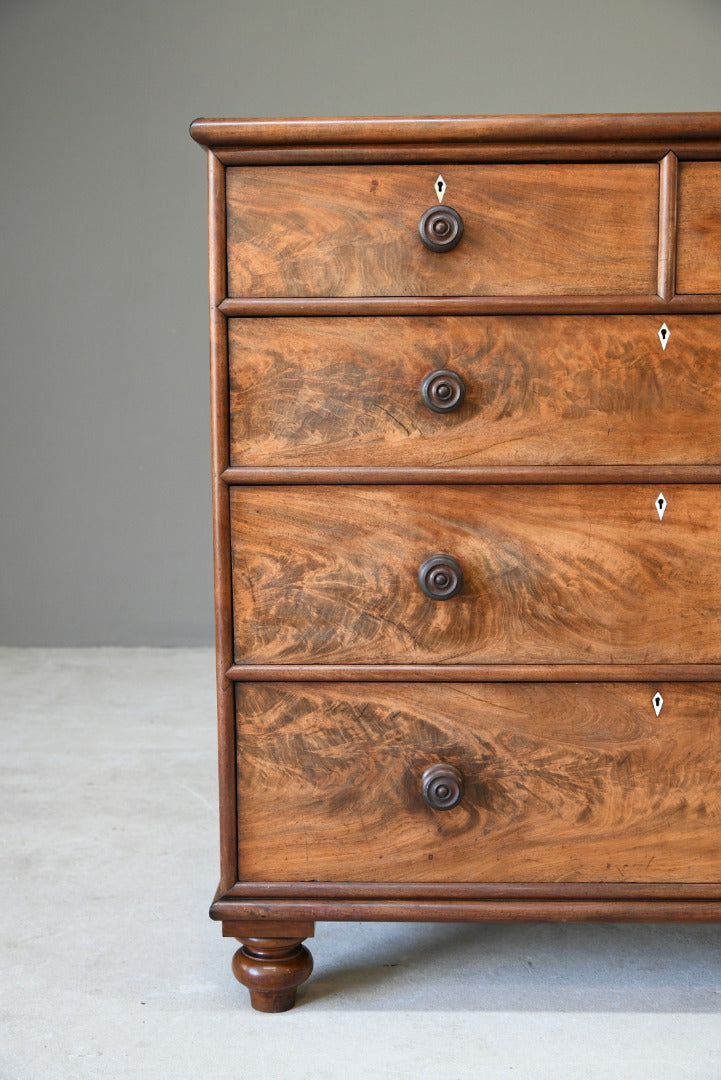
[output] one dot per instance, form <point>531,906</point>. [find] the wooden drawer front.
<point>552,573</point>
<point>574,782</point>
<point>698,268</point>
<point>528,229</point>
<point>586,390</point>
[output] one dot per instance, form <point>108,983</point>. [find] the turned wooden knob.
<point>443,390</point>
<point>442,786</point>
<point>440,577</point>
<point>441,228</point>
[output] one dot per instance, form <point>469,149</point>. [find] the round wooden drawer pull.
<point>441,228</point>
<point>443,390</point>
<point>440,577</point>
<point>442,786</point>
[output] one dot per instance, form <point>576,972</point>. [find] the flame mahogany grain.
<point>699,241</point>
<point>339,683</point>
<point>573,783</point>
<point>353,230</point>
<point>558,390</point>
<point>558,574</point>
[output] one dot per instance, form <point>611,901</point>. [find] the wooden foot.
<point>272,969</point>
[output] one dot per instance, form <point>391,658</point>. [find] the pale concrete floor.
<point>111,967</point>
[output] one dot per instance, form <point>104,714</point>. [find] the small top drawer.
<point>337,230</point>
<point>698,268</point>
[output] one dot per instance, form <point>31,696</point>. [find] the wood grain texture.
<point>562,783</point>
<point>448,130</point>
<point>417,153</point>
<point>353,230</point>
<point>477,910</point>
<point>220,425</point>
<point>557,390</point>
<point>477,474</point>
<point>276,927</point>
<point>464,890</point>
<point>272,969</point>
<point>297,307</point>
<point>699,218</point>
<point>497,672</point>
<point>667,214</point>
<point>562,574</point>
<point>339,682</point>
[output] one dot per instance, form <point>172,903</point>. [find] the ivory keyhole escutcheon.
<point>657,703</point>
<point>663,335</point>
<point>440,188</point>
<point>661,505</point>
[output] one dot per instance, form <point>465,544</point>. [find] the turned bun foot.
<point>272,969</point>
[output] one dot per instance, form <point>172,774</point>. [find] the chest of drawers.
<point>466,465</point>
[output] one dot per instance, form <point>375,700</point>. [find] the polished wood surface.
<point>445,910</point>
<point>565,783</point>
<point>564,389</point>
<point>699,214</point>
<point>479,474</point>
<point>342,689</point>
<point>563,574</point>
<point>487,153</point>
<point>298,306</point>
<point>220,434</point>
<point>353,231</point>
<point>667,226</point>
<point>503,672</point>
<point>446,131</point>
<point>455,890</point>
<point>272,968</point>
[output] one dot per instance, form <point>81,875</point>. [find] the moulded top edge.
<point>589,127</point>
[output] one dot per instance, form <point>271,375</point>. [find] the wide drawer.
<point>527,229</point>
<point>575,782</point>
<point>551,390</point>
<point>698,266</point>
<point>551,573</point>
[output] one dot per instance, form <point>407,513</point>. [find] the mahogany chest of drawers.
<point>466,465</point>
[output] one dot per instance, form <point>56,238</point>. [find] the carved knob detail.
<point>441,228</point>
<point>440,577</point>
<point>443,391</point>
<point>442,786</point>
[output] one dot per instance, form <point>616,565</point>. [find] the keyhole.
<point>661,505</point>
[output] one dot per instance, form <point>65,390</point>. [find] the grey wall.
<point>104,507</point>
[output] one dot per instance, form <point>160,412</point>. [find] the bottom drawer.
<point>560,782</point>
